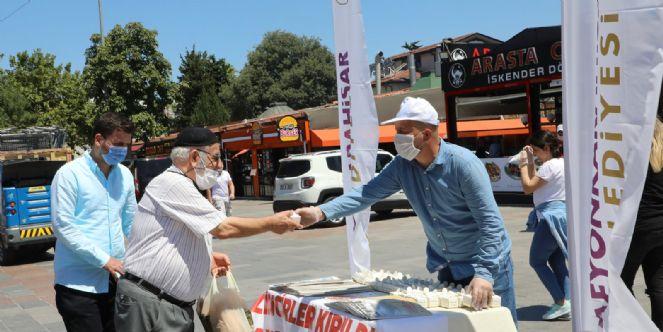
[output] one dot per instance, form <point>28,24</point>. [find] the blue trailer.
<point>25,219</point>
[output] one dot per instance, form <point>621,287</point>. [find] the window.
<point>292,168</point>
<point>334,163</point>
<point>381,162</point>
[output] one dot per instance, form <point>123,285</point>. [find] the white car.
<point>314,178</point>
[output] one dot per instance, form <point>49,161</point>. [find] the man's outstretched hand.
<point>281,223</point>
<point>310,215</point>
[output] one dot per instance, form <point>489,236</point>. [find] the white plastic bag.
<point>224,308</point>
<point>204,303</point>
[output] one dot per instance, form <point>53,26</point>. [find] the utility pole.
<point>101,23</point>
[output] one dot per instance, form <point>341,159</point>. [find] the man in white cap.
<point>450,191</point>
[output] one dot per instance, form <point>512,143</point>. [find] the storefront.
<point>252,150</point>
<point>519,81</point>
<point>492,104</point>
<point>528,63</point>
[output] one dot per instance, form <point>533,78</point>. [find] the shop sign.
<point>158,149</point>
<point>288,130</point>
<point>256,133</point>
<point>511,62</point>
<point>504,175</point>
<point>461,51</point>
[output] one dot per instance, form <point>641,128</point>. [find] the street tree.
<point>202,80</point>
<point>14,106</point>
<point>284,67</point>
<point>37,91</point>
<point>209,110</point>
<point>36,76</point>
<point>128,74</point>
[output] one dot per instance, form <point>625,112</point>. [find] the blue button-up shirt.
<point>90,215</point>
<point>454,200</point>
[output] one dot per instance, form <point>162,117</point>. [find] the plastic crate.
<point>34,138</point>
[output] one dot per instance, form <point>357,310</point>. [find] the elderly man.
<point>169,255</point>
<point>450,191</point>
<point>93,203</point>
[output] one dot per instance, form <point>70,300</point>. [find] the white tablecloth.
<point>276,311</point>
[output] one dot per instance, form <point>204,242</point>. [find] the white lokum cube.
<point>496,301</point>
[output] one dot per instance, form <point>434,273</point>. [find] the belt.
<point>157,291</point>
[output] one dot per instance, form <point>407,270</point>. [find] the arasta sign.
<point>461,51</point>
<point>526,56</point>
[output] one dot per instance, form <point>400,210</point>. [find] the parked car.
<point>146,169</point>
<point>314,178</point>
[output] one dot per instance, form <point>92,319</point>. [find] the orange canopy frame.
<point>322,138</point>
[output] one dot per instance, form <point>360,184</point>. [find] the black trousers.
<point>86,312</point>
<point>647,250</point>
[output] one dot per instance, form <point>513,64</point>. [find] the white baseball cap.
<point>415,109</point>
<point>560,129</point>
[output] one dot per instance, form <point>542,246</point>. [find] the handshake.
<point>287,221</point>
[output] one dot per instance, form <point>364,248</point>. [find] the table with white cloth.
<point>277,311</point>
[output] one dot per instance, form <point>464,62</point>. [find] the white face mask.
<point>205,177</point>
<point>405,146</point>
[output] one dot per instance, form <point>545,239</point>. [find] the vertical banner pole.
<point>357,120</point>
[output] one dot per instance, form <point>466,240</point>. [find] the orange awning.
<point>321,138</point>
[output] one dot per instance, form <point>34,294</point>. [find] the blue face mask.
<point>115,155</point>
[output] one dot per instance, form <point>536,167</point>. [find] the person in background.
<point>481,150</point>
<point>223,190</point>
<point>548,251</point>
<point>169,259</point>
<point>450,191</point>
<point>560,131</point>
<point>646,248</point>
<point>93,203</point>
<point>532,221</point>
<point>495,148</point>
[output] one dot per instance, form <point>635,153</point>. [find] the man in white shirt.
<point>169,256</point>
<point>223,191</point>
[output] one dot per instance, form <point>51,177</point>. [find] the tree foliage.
<point>411,46</point>
<point>14,106</point>
<point>37,91</point>
<point>199,97</point>
<point>128,74</point>
<point>209,110</point>
<point>284,67</point>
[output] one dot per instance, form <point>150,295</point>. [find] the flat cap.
<point>195,136</point>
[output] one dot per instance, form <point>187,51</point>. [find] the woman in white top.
<point>548,252</point>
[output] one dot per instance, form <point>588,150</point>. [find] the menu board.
<point>504,176</point>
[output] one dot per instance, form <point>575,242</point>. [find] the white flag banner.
<point>613,65</point>
<point>357,120</point>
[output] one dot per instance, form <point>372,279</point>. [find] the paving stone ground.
<point>27,298</point>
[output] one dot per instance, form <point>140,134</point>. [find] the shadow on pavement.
<point>31,257</point>
<point>532,313</point>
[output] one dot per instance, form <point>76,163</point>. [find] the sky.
<point>231,29</point>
